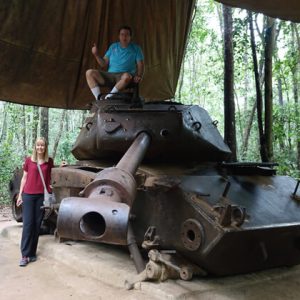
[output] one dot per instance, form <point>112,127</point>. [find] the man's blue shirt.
<point>123,59</point>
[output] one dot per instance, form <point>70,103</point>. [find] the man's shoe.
<point>32,258</point>
<point>24,261</point>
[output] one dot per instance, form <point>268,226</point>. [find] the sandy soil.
<point>46,279</point>
<point>5,213</point>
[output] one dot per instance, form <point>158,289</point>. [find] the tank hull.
<point>185,214</point>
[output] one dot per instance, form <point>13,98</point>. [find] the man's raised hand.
<point>95,50</point>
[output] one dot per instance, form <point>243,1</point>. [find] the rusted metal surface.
<point>93,219</point>
<point>14,188</point>
<point>163,265</point>
<point>71,177</point>
<point>114,184</point>
<point>102,214</point>
<point>134,250</point>
<point>249,225</point>
<point>225,218</point>
<point>114,126</point>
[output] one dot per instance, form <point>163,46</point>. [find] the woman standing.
<point>32,196</point>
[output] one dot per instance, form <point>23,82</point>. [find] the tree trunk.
<point>67,126</point>
<point>280,94</point>
<point>44,123</point>
<point>296,98</point>
<point>246,84</point>
<point>4,125</point>
<point>35,123</point>
<point>229,107</point>
<point>258,93</point>
<point>23,129</point>
<point>281,138</point>
<point>262,38</point>
<point>83,117</point>
<point>181,82</point>
<point>57,139</point>
<point>269,47</point>
<point>238,118</point>
<point>247,131</point>
<point>219,8</point>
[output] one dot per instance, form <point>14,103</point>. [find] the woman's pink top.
<point>34,184</point>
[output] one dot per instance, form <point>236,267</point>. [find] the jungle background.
<point>242,67</point>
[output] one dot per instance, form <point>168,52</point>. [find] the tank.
<point>155,177</point>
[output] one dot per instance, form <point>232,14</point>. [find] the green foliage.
<point>64,150</point>
<point>285,138</point>
<point>202,79</point>
<point>70,131</point>
<point>12,151</point>
<point>203,65</point>
<point>8,163</point>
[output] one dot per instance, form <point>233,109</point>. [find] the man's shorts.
<point>110,79</point>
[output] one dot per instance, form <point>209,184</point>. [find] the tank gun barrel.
<point>135,154</point>
<point>103,215</point>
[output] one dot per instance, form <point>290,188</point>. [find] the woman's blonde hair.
<point>34,152</point>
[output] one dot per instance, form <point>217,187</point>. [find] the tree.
<point>23,128</point>
<point>44,123</point>
<point>296,46</point>
<point>58,136</point>
<point>269,47</point>
<point>259,101</point>
<point>4,125</point>
<point>35,123</point>
<point>229,107</point>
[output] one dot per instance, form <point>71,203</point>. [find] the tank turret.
<point>177,132</point>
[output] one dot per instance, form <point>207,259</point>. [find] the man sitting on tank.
<point>125,63</point>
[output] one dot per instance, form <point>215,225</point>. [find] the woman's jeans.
<point>32,219</point>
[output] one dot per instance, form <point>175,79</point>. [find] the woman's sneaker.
<point>24,261</point>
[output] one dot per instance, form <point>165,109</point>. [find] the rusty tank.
<point>156,177</point>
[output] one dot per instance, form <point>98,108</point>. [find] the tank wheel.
<point>16,210</point>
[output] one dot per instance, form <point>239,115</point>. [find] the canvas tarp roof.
<point>283,9</point>
<point>45,46</point>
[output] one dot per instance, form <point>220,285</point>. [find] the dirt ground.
<point>46,279</point>
<point>74,278</point>
<point>5,213</point>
